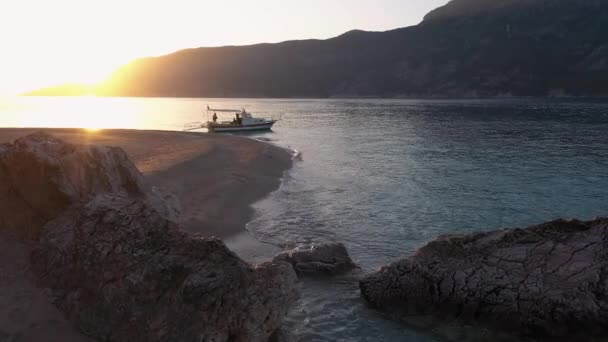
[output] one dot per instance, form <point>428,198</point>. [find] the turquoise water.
<point>386,176</point>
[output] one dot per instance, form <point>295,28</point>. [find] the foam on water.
<point>384,177</point>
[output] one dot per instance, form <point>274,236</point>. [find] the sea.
<point>384,177</point>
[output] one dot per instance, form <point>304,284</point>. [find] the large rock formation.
<point>118,267</point>
<point>40,177</point>
<point>546,280</point>
<point>318,259</point>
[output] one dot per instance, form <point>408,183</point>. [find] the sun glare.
<point>88,112</point>
<point>47,43</point>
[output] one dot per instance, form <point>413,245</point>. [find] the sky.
<point>49,42</point>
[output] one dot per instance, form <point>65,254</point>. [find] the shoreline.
<point>190,167</point>
<point>215,178</point>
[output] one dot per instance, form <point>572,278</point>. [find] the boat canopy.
<point>226,110</point>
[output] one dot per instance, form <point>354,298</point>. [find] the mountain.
<point>466,48</point>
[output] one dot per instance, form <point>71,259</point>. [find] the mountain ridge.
<point>467,48</point>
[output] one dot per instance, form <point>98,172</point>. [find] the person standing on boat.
<point>238,119</point>
<point>214,117</point>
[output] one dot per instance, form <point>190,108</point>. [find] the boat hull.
<point>236,128</point>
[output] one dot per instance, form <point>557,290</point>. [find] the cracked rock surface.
<point>118,266</point>
<point>548,280</point>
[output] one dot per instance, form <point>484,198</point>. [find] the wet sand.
<point>215,178</point>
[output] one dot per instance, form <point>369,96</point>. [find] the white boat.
<point>240,120</point>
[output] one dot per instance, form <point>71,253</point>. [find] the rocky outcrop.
<point>40,177</point>
<point>546,280</point>
<point>463,8</point>
<point>117,264</point>
<point>318,259</point>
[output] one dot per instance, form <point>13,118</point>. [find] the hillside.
<point>466,48</point>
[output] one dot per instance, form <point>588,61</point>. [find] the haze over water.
<point>386,176</point>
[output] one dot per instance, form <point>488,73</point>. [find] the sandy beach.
<point>214,178</point>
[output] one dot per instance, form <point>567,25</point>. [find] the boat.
<point>240,120</point>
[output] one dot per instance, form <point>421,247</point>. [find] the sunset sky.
<point>50,42</point>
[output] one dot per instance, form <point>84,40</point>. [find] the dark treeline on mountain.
<point>468,48</point>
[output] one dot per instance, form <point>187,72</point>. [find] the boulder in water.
<point>547,280</point>
<point>318,259</point>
